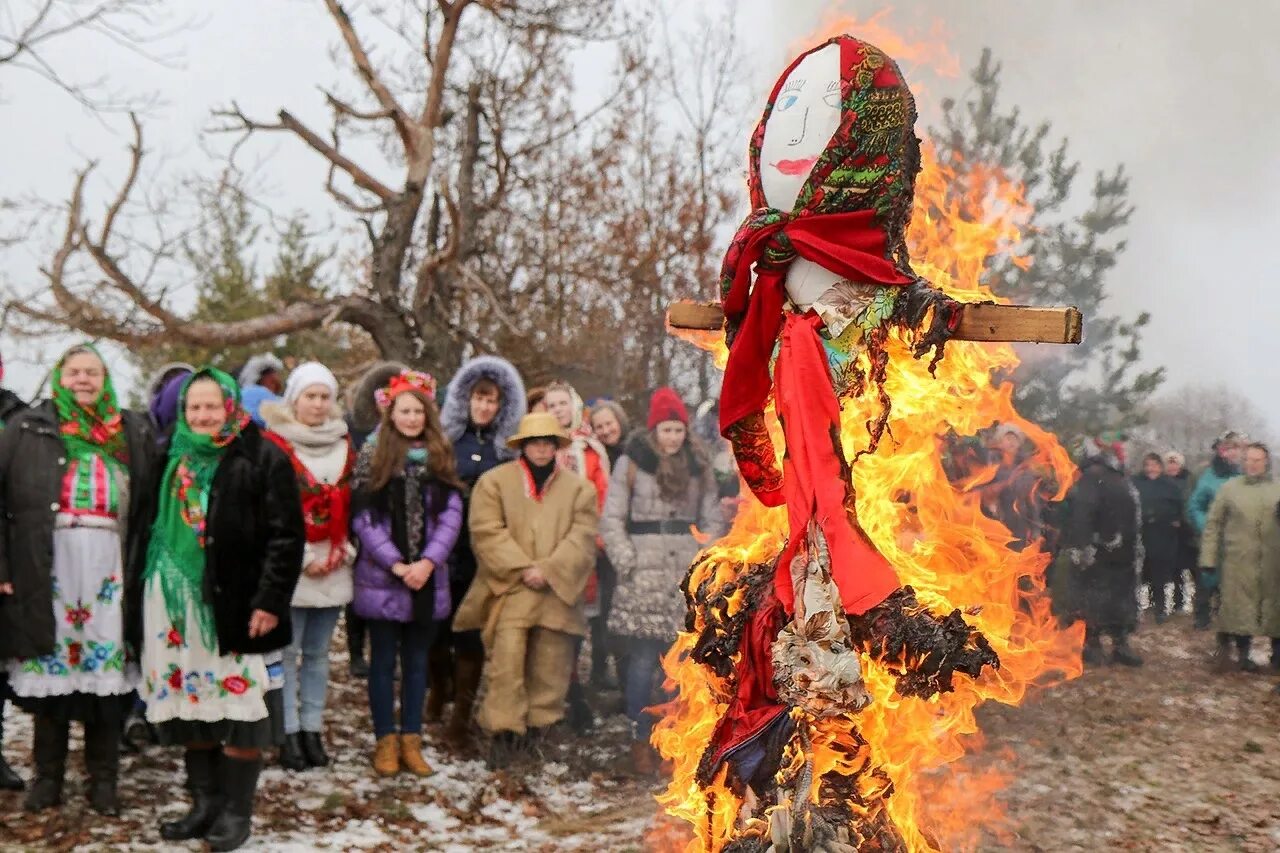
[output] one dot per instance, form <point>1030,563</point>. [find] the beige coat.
<point>1241,540</point>
<point>511,531</point>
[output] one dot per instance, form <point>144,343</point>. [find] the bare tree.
<point>30,28</point>
<point>1188,418</point>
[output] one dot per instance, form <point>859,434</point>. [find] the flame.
<point>934,533</point>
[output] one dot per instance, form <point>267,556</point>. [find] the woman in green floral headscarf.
<point>70,475</point>
<point>218,575</point>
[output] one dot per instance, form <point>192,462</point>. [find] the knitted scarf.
<point>176,555</point>
<point>88,433</point>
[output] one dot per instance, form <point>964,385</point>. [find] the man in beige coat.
<point>533,529</point>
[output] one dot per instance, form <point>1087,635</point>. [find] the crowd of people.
<point>182,572</point>
<point>1207,542</point>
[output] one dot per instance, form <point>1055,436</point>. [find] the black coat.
<point>1161,501</point>
<point>33,461</point>
<point>1102,533</point>
<point>254,542</point>
<point>11,406</point>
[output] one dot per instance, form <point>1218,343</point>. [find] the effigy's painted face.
<point>804,118</point>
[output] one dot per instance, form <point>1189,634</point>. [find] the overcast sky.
<point>1183,92</point>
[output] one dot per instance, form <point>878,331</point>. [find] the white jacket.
<point>324,451</point>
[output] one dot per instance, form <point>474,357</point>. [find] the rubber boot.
<point>1092,649</point>
<point>102,762</point>
<point>239,784</point>
<point>467,670</point>
<point>313,749</point>
<point>440,679</point>
<point>1244,643</point>
<point>206,798</point>
<point>49,754</point>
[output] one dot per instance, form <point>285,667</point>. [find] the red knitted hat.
<point>666,405</point>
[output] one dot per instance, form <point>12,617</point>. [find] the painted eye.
<point>832,99</point>
<point>786,102</point>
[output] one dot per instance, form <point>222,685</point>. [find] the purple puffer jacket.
<point>379,594</point>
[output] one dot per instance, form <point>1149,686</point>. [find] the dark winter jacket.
<point>1161,500</point>
<point>11,406</point>
<point>254,543</point>
<point>1206,489</point>
<point>33,461</point>
<point>1103,544</point>
<point>478,451</point>
<point>379,593</point>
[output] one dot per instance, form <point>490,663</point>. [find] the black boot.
<point>355,644</point>
<point>1092,650</point>
<point>313,750</point>
<point>239,786</point>
<point>1122,654</point>
<point>291,754</point>
<point>50,759</point>
<point>206,799</point>
<point>102,761</point>
<point>9,780</point>
<point>1275,654</point>
<point>581,719</point>
<point>1244,643</point>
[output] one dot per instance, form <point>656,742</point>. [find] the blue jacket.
<point>1206,490</point>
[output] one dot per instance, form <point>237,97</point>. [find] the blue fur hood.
<point>455,412</point>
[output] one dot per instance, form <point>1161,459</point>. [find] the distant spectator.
<point>1161,502</point>
<point>483,406</point>
<point>1012,497</point>
<point>1241,545</point>
<point>261,379</point>
<point>537,399</point>
<point>162,395</point>
<point>308,426</point>
<point>363,416</point>
<point>610,425</point>
<point>11,405</point>
<point>662,489</point>
<point>1101,540</point>
<point>1227,450</point>
<point>1175,468</point>
<point>533,528</point>
<point>407,511</point>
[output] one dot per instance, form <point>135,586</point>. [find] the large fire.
<point>934,533</point>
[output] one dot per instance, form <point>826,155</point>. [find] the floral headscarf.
<point>176,552</point>
<point>95,430</point>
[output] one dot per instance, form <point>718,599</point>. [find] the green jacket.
<point>1241,540</point>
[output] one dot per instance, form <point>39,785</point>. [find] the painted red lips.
<point>795,167</point>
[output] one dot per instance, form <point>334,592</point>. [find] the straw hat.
<point>539,425</point>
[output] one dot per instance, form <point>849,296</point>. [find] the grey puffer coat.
<point>648,538</point>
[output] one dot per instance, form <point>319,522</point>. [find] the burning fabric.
<point>817,291</point>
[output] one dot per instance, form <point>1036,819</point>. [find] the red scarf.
<point>326,507</point>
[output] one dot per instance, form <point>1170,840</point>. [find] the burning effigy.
<point>863,592</point>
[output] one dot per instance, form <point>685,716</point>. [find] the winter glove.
<point>1208,577</point>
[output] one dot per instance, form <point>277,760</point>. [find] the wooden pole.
<point>980,321</point>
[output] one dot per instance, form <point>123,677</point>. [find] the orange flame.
<point>934,533</point>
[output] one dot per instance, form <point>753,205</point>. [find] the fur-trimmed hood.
<point>363,408</point>
<point>455,412</point>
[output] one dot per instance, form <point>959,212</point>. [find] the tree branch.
<point>364,67</point>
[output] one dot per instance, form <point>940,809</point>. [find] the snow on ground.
<point>1168,757</point>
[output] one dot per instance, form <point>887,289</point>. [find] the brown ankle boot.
<point>467,670</point>
<point>386,756</point>
<point>411,756</point>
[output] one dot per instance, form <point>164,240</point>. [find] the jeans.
<point>644,664</point>
<point>306,686</point>
<point>412,643</point>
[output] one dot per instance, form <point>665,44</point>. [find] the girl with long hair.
<point>407,514</point>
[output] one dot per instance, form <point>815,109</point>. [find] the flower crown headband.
<point>409,380</point>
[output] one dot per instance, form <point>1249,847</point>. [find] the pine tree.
<point>1074,243</point>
